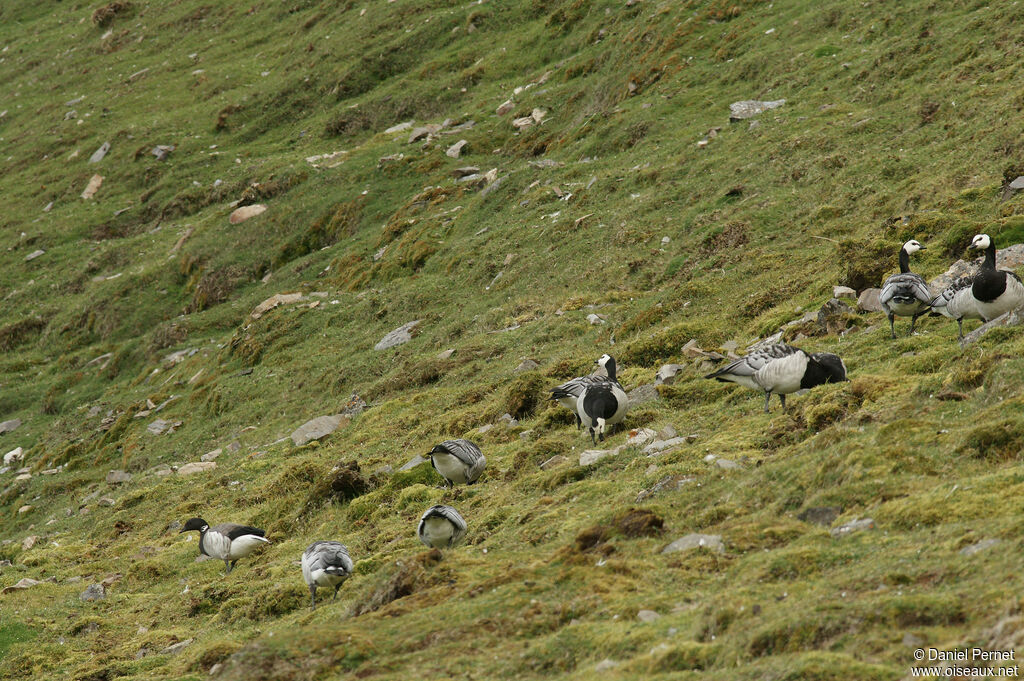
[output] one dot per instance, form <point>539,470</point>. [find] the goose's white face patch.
<point>981,242</point>
<point>603,360</point>
<point>912,246</point>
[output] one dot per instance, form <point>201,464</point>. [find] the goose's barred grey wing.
<point>749,365</point>
<point>464,450</point>
<point>447,515</point>
<point>949,293</point>
<point>234,530</point>
<point>329,556</point>
<point>575,387</point>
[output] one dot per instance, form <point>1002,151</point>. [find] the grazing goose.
<point>460,462</point>
<point>569,392</point>
<point>227,541</point>
<point>781,369</point>
<point>441,527</point>
<point>956,302</point>
<point>995,292</point>
<point>325,563</point>
<point>603,404</point>
<point>905,294</point>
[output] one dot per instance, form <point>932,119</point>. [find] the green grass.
<point>898,123</point>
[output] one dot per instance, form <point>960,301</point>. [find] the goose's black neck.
<point>990,257</point>
<point>904,261</point>
<point>610,368</point>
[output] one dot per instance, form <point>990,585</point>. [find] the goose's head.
<point>980,242</point>
<point>194,524</point>
<point>912,246</point>
<point>835,370</point>
<point>603,360</point>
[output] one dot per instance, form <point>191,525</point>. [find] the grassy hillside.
<point>632,197</point>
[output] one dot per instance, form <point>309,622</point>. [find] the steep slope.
<point>899,122</point>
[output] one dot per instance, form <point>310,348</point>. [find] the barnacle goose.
<point>603,404</point>
<point>956,302</point>
<point>994,291</point>
<point>441,527</point>
<point>569,393</point>
<point>325,563</point>
<point>781,369</point>
<point>905,294</point>
<point>227,541</point>
<point>460,462</point>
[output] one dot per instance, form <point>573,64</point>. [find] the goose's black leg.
<point>892,324</point>
<point>227,566</point>
<point>782,398</point>
<point>312,596</point>
<point>336,587</point>
<point>960,328</point>
<point>913,323</point>
<point>767,398</point>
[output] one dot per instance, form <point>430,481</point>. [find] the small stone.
<point>317,428</point>
<point>234,446</point>
<point>177,647</point>
<point>605,665</point>
<point>23,583</point>
<point>162,151</point>
<point>592,456</point>
<point>647,616</point>
<point>401,127</point>
<point>858,525</point>
<point>106,501</point>
<point>820,515</point>
<point>595,319</point>
<point>23,476</point>
<point>527,435</point>
<point>98,155</point>
<point>455,150</point>
<point>245,212</point>
<point>659,446</point>
<point>465,171</point>
<point>93,592</point>
<point>667,433</point>
<point>1018,183</point>
<point>505,107</point>
<point>711,542</point>
<point>161,426</point>
<point>16,454</point>
<point>94,185</point>
<point>399,336</point>
<point>524,122</point>
<point>118,477</point>
<point>486,428</point>
<point>446,354</point>
<point>34,254</point>
<point>749,108</point>
<point>210,456</point>
<point>9,426</point>
<point>728,465</point>
<point>665,241</point>
<point>640,436</point>
<point>868,300</point>
<point>843,292</point>
<point>28,542</point>
<point>526,365</point>
<point>667,374</point>
<point>215,669</point>
<point>273,301</point>
<point>980,546</point>
<point>553,462</point>
<point>834,316</point>
<point>197,467</point>
<point>643,394</point>
<point>412,463</point>
<point>423,131</point>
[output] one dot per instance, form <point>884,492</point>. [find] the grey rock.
<point>527,435</point>
<point>669,483</point>
<point>833,316</point>
<point>34,254</point>
<point>589,457</point>
<point>356,405</point>
<point>98,155</point>
<point>641,436</point>
<point>160,426</point>
<point>10,426</point>
<point>605,665</point>
<point>1018,183</point>
<point>466,171</point>
<point>399,336</point>
<point>526,365</point>
<point>401,127</point>
<point>505,107</point>
<point>210,456</point>
<point>486,428</point>
<point>177,647</point>
<point>980,546</point>
<point>446,354</point>
<point>106,501</point>
<point>423,131</point>
<point>197,467</point>
<point>118,477</point>
<point>859,525</point>
<point>94,592</point>
<point>647,616</point>
<point>595,319</point>
<point>667,433</point>
<point>711,542</point>
<point>659,446</point>
<point>643,394</point>
<point>162,151</point>
<point>667,374</point>
<point>142,652</point>
<point>728,465</point>
<point>1011,318</point>
<point>868,300</point>
<point>749,108</point>
<point>843,292</point>
<point>317,428</point>
<point>820,515</point>
<point>494,184</point>
<point>553,462</point>
<point>412,463</point>
<point>455,150</point>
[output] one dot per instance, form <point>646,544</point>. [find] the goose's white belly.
<point>1010,298</point>
<point>322,578</point>
<point>451,467</point>
<point>438,532</point>
<point>907,309</point>
<point>782,376</point>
